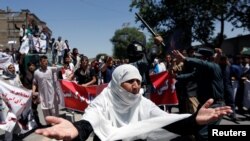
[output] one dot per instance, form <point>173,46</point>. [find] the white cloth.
<point>117,114</point>
<point>162,67</point>
<point>45,83</point>
<point>24,48</point>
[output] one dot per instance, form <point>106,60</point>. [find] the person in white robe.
<point>120,112</point>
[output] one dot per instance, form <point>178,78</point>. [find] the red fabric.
<point>164,94</point>
<point>159,79</point>
<point>77,97</point>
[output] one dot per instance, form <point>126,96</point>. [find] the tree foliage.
<point>122,38</point>
<point>241,17</point>
<point>193,20</point>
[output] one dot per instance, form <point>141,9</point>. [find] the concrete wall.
<point>234,45</point>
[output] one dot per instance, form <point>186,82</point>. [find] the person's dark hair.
<point>7,50</point>
<point>74,49</point>
<point>64,58</point>
<point>31,63</point>
<point>43,57</point>
<point>84,58</point>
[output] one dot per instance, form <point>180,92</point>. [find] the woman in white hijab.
<point>11,76</point>
<point>120,112</point>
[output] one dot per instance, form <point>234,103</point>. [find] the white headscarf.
<point>117,114</point>
<point>7,73</point>
<point>123,100</point>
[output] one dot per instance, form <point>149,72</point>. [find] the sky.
<point>87,24</point>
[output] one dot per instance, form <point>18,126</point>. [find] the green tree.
<point>191,20</point>
<point>241,17</point>
<point>167,18</point>
<point>122,38</point>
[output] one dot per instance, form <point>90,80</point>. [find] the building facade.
<point>9,35</point>
<point>234,46</point>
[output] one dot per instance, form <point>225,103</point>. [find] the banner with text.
<point>77,97</point>
<point>13,101</point>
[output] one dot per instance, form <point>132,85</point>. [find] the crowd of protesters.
<point>40,78</point>
<point>69,64</point>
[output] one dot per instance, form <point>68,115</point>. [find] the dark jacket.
<point>208,77</point>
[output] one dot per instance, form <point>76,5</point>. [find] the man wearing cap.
<point>209,81</point>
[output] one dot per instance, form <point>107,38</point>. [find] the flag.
<point>77,97</point>
<point>165,93</point>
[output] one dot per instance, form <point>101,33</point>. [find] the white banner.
<point>13,101</point>
<point>24,49</point>
<point>39,44</point>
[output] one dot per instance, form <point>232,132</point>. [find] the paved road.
<point>242,120</point>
